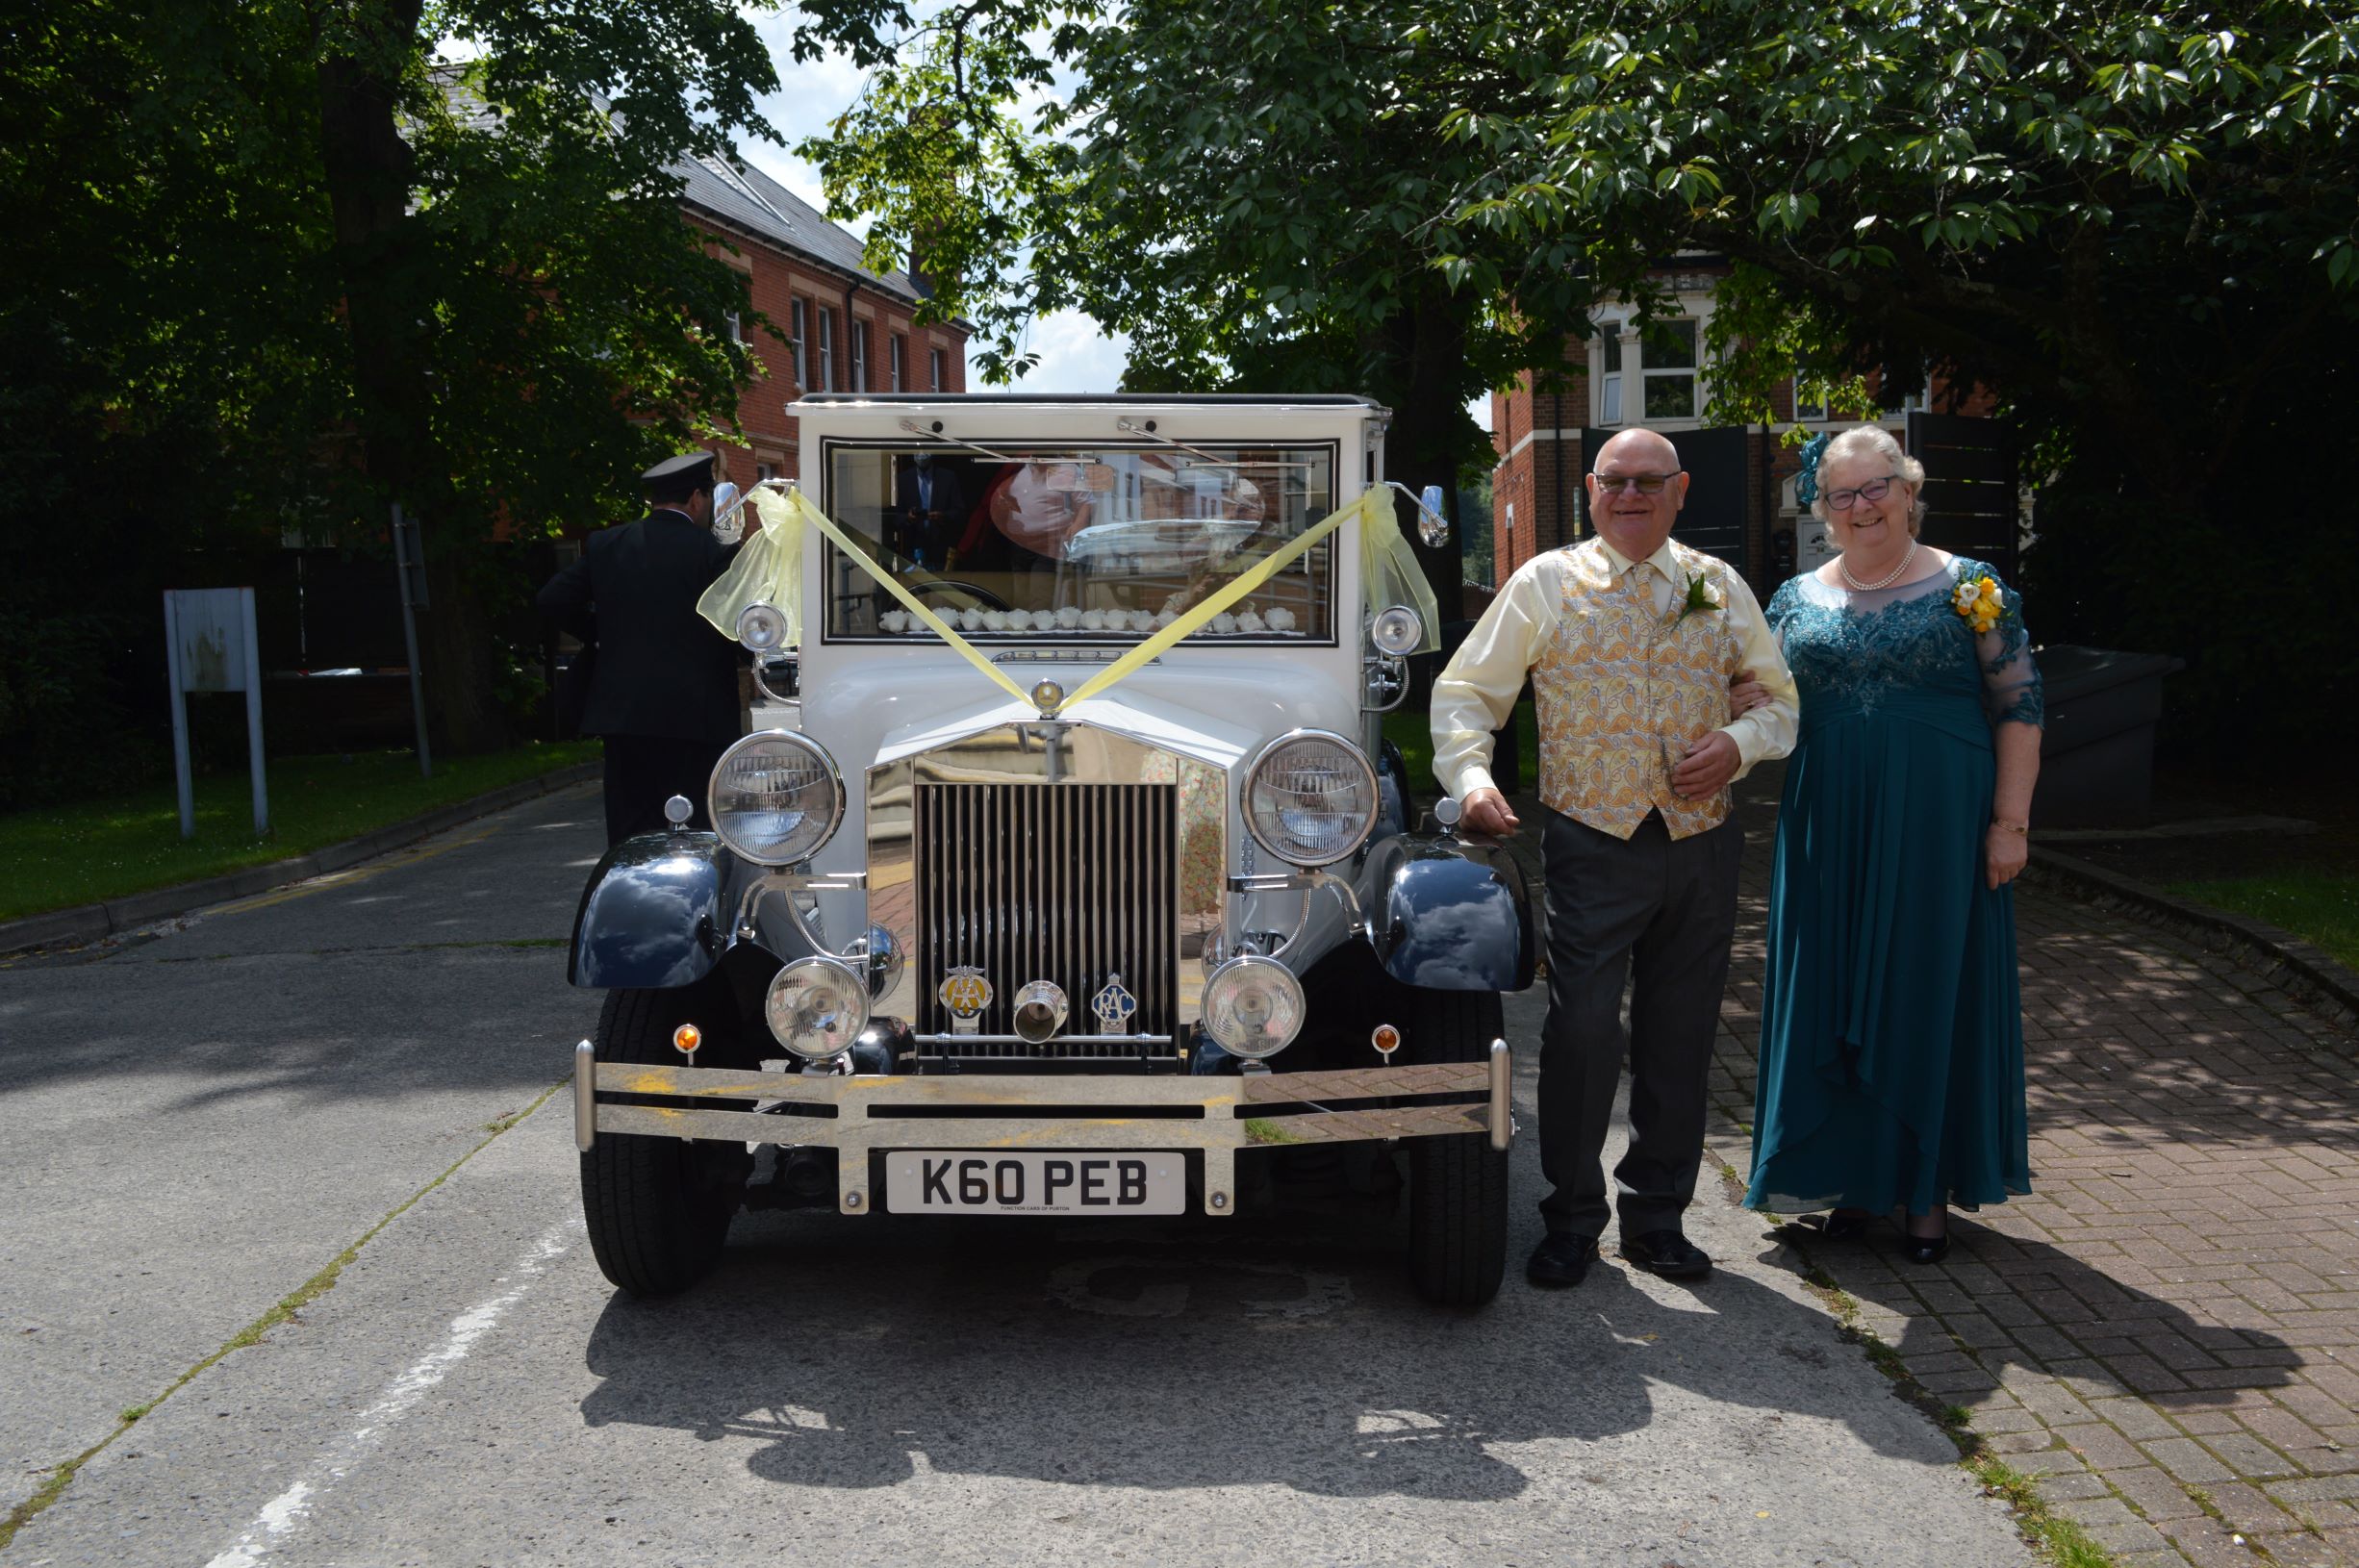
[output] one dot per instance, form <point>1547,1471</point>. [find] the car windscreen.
<point>1066,545</point>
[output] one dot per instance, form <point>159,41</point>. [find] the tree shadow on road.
<point>1197,1353</point>
<point>2016,1302</point>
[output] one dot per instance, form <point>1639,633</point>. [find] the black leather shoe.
<point>1842,1227</point>
<point>1666,1255</point>
<point>1561,1258</point>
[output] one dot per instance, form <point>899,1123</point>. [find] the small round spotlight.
<point>1048,696</point>
<point>686,1039</point>
<point>760,628</point>
<point>1397,630</point>
<point>1253,1007</point>
<point>816,1007</point>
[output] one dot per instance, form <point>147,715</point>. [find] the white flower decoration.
<point>1279,619</point>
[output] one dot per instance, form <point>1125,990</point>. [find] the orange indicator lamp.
<point>686,1039</point>
<point>1387,1040</point>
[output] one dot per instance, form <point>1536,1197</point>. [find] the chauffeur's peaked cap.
<point>689,472</point>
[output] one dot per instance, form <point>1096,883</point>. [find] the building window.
<point>826,349</point>
<point>1610,384</point>
<point>1806,408</point>
<point>934,367</point>
<point>764,473</point>
<point>802,368</point>
<point>728,323</point>
<point>892,359</point>
<point>1668,353</point>
<point>859,356</point>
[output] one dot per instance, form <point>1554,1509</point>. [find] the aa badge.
<point>964,994</point>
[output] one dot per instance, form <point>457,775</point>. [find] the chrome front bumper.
<point>1216,1114</point>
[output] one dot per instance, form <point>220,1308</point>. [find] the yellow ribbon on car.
<point>768,571</point>
<point>1373,504</point>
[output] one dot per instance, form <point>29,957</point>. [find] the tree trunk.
<point>1428,342</point>
<point>388,311</point>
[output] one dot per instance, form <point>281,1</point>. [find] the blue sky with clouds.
<point>1075,355</point>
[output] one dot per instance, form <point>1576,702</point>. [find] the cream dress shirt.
<point>1477,692</point>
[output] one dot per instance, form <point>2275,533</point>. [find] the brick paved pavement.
<point>2166,1331</point>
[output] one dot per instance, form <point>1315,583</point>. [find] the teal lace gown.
<point>1891,1052</point>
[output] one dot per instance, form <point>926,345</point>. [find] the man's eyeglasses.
<point>1872,491</point>
<point>1645,484</point>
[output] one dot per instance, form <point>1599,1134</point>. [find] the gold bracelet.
<point>2024,828</point>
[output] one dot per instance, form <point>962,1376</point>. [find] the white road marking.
<point>284,1514</point>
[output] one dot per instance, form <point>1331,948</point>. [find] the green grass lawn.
<point>2319,906</point>
<point>1414,736</point>
<point>62,856</point>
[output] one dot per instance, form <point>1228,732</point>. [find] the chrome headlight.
<point>816,1007</point>
<point>1253,1007</point>
<point>776,797</point>
<point>1311,797</point>
<point>1396,631</point>
<point>761,628</point>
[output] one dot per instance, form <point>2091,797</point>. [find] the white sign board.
<point>210,645</point>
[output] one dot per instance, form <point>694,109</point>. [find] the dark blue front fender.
<point>656,913</point>
<point>1452,917</point>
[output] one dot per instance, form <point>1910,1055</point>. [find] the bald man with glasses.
<point>1658,686</point>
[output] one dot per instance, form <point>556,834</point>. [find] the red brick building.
<point>846,328</point>
<point>1740,496</point>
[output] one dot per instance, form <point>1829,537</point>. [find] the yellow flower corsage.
<point>1978,604</point>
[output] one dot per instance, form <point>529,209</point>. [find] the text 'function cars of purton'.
<point>1063,870</point>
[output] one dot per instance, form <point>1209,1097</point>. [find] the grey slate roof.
<point>745,198</point>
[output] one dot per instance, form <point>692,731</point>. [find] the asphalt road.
<point>195,1125</point>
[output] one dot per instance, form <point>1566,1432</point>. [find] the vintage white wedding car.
<point>1065,873</point>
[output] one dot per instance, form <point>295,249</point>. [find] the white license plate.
<point>952,1181</point>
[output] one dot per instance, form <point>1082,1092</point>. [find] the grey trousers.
<point>1660,912</point>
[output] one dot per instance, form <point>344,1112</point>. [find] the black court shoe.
<point>1844,1225</point>
<point>1918,1248</point>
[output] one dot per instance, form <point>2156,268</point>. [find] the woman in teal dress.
<point>1892,1052</point>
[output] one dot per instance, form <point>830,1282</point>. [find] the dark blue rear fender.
<point>656,914</point>
<point>1453,915</point>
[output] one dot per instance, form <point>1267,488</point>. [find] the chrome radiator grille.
<point>1063,883</point>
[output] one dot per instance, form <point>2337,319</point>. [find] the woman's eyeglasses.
<point>1872,491</point>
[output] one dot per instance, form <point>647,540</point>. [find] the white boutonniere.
<point>1700,600</point>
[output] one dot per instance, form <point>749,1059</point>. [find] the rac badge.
<point>1113,1007</point>
<point>964,994</point>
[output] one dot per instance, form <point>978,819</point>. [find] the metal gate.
<point>1718,495</point>
<point>1972,504</point>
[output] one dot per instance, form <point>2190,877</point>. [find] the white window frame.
<point>933,364</point>
<point>826,349</point>
<point>859,355</point>
<point>728,319</point>
<point>894,344</point>
<point>1805,413</point>
<point>799,311</point>
<point>1617,397</point>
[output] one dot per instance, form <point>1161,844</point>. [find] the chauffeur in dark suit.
<point>663,693</point>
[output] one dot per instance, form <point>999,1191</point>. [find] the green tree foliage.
<point>1257,192</point>
<point>276,266</point>
<point>2140,224</point>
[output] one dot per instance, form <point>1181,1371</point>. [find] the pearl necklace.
<point>1886,581</point>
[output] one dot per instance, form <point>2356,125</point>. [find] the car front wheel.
<point>1457,1184</point>
<point>658,1209</point>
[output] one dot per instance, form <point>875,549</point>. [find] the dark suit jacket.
<point>662,669</point>
<point>913,531</point>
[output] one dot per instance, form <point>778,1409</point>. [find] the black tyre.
<point>1457,1185</point>
<point>658,1209</point>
